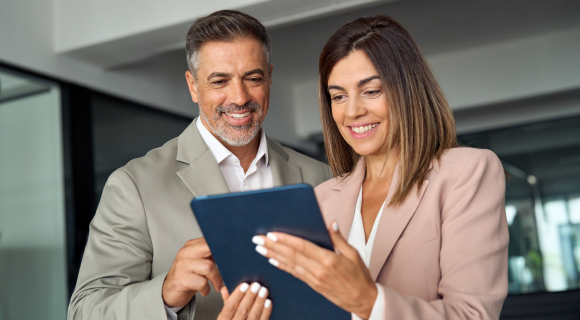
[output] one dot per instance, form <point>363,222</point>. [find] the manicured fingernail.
<point>261,250</point>
<point>255,287</point>
<point>335,226</point>
<point>268,303</point>
<point>274,262</point>
<point>263,292</point>
<point>258,240</point>
<point>244,287</point>
<point>272,236</point>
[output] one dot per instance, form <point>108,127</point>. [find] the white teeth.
<point>239,115</point>
<point>363,129</point>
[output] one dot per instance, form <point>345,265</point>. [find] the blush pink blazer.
<point>441,254</point>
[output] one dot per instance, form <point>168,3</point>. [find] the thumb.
<point>340,245</point>
<point>225,293</point>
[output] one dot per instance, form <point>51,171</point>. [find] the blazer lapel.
<point>341,205</point>
<point>201,174</point>
<point>393,222</point>
<point>283,172</point>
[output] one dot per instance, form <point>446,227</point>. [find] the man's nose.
<point>239,94</point>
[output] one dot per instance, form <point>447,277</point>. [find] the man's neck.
<point>246,154</point>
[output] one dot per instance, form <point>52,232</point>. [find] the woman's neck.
<point>381,167</point>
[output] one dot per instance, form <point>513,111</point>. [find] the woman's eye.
<point>373,92</point>
<point>338,98</point>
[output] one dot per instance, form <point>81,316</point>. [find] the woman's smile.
<point>363,131</point>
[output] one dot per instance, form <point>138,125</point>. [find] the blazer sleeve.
<point>114,279</point>
<point>474,249</point>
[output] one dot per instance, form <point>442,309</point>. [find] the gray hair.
<point>224,25</point>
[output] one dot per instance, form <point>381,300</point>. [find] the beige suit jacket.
<point>144,218</point>
<point>441,254</point>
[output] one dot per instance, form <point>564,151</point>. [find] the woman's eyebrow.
<point>335,87</point>
<point>363,81</point>
<point>360,83</point>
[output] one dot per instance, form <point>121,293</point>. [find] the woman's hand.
<point>244,304</point>
<point>340,276</point>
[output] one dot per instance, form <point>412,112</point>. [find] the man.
<point>145,257</point>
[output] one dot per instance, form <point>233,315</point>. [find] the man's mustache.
<point>250,106</point>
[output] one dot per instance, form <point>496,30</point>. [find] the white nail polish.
<point>263,292</point>
<point>274,262</point>
<point>261,250</point>
<point>268,303</point>
<point>272,236</point>
<point>258,240</point>
<point>255,287</point>
<point>335,226</point>
<point>244,287</point>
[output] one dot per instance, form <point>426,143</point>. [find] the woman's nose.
<point>354,109</point>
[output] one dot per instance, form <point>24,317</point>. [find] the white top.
<point>356,238</point>
<point>258,176</point>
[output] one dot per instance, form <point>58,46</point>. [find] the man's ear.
<point>270,74</point>
<point>192,86</point>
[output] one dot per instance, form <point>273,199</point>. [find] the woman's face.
<point>359,104</point>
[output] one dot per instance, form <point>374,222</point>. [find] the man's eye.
<point>219,82</point>
<point>256,80</point>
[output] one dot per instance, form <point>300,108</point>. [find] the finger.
<point>267,311</point>
<point>296,263</point>
<point>195,248</point>
<point>258,306</point>
<point>232,302</point>
<point>247,301</point>
<point>205,268</point>
<point>341,245</point>
<point>195,282</point>
<point>301,267</point>
<point>300,245</point>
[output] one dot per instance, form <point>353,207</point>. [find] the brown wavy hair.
<point>421,124</point>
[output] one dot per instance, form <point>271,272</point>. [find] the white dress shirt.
<point>258,176</point>
<point>356,239</point>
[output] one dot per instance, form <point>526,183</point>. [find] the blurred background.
<point>86,86</point>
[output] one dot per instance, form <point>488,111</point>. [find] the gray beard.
<point>236,136</point>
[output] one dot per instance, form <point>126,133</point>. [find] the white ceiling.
<point>120,32</point>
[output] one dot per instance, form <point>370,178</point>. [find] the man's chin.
<point>237,135</point>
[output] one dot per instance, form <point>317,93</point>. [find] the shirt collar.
<point>221,153</point>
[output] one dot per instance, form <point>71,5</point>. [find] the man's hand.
<point>192,269</point>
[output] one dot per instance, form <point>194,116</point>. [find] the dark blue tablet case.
<point>229,221</point>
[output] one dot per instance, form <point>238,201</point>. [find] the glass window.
<point>32,209</point>
<point>123,130</point>
<point>542,201</point>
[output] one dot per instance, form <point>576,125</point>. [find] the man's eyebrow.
<point>219,74</point>
<point>363,81</point>
<point>257,70</point>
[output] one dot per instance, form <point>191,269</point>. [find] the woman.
<point>424,220</point>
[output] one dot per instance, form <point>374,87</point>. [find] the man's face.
<point>232,89</point>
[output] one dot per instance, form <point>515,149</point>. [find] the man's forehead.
<point>235,57</point>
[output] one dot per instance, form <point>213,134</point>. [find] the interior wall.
<point>26,41</point>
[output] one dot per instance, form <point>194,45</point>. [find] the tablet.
<point>229,221</point>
